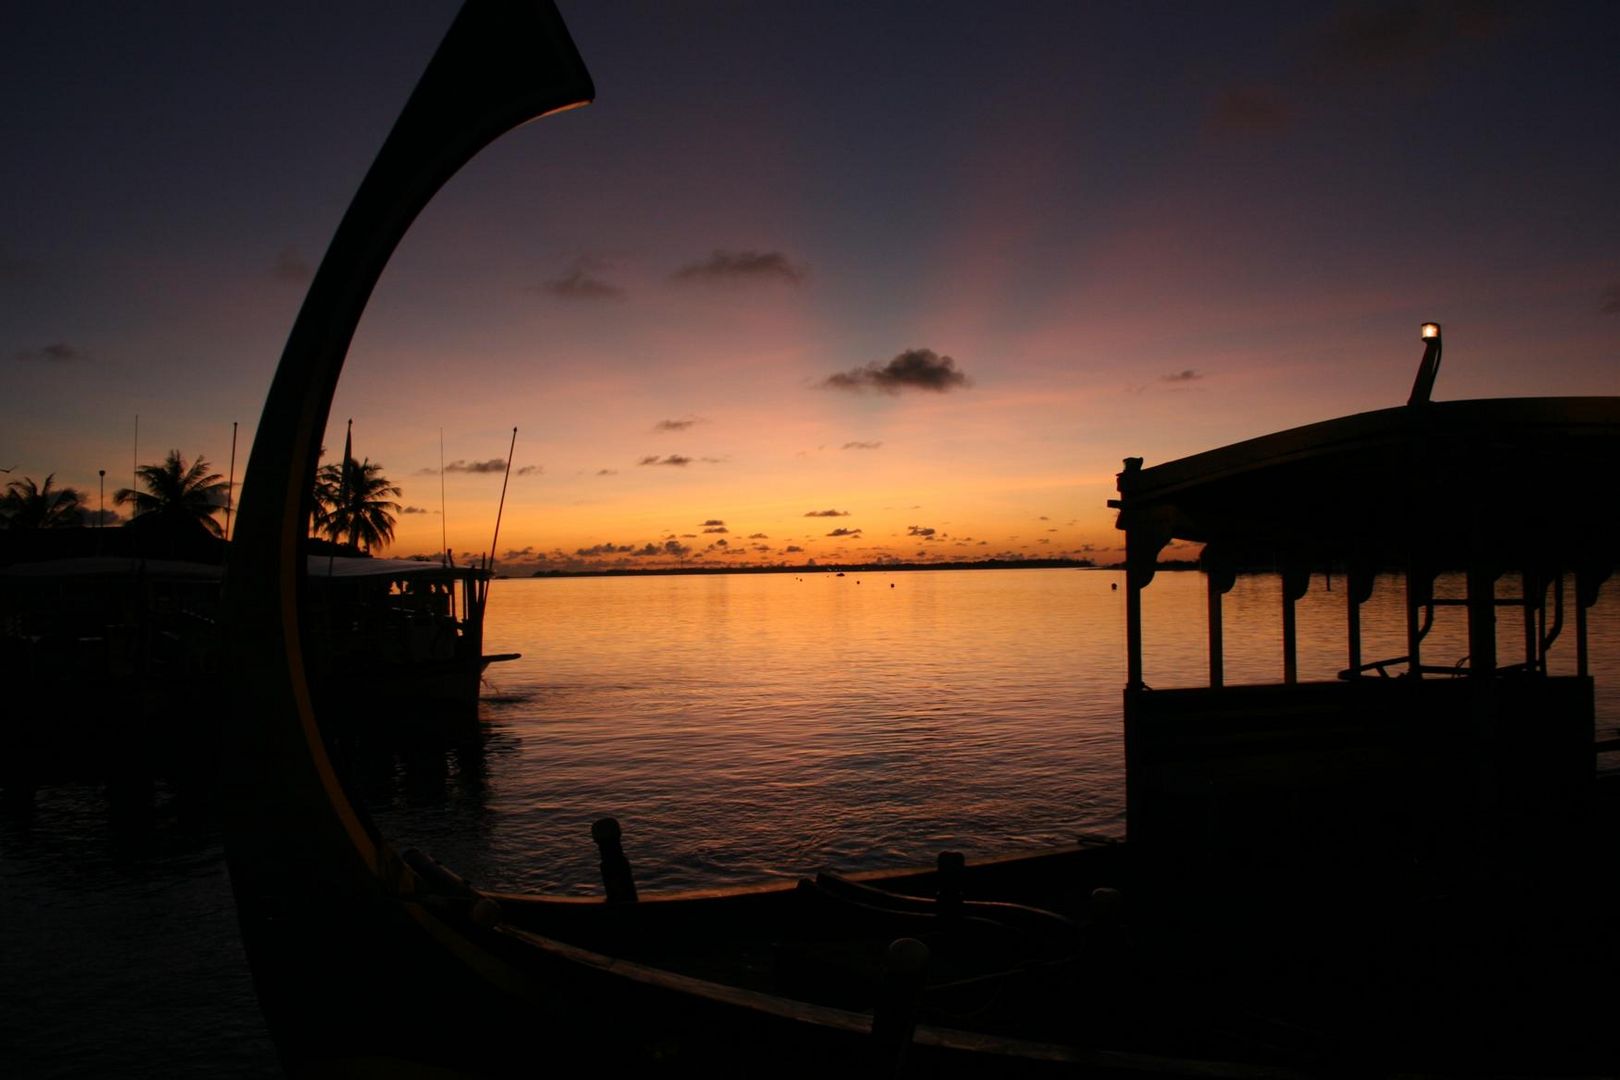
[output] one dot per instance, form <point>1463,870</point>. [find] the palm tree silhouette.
<point>178,492</point>
<point>353,502</point>
<point>27,506</point>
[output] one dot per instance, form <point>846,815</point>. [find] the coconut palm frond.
<point>178,490</point>
<point>27,505</point>
<point>353,502</point>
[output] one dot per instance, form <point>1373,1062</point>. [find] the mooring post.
<point>894,1014</point>
<point>616,877</point>
<point>950,869</point>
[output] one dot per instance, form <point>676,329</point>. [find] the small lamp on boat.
<point>1423,385</point>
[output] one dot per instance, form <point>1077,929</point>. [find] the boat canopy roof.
<point>1513,481</point>
<point>322,566</point>
<point>107,566</point>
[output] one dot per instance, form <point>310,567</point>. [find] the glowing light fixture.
<point>1430,331</point>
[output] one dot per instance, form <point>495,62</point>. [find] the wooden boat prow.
<point>369,960</point>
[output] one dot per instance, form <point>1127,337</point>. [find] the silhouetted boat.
<point>1196,948</point>
<point>397,631</point>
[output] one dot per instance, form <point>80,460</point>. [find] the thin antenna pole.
<point>343,488</point>
<point>444,529</point>
<point>489,564</point>
<point>230,487</point>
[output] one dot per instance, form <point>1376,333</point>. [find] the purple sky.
<point>728,290</point>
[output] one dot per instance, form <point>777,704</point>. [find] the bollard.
<point>894,1014</point>
<point>616,876</point>
<point>951,867</point>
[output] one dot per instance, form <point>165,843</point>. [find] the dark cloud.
<point>861,445</point>
<point>721,543</point>
<point>914,369</point>
<point>579,284</point>
<point>742,266</point>
<point>826,513</point>
<point>668,547</point>
<point>677,425</point>
<point>1378,36</point>
<point>607,472</point>
<point>1611,299</point>
<point>493,465</point>
<point>919,530</point>
<point>667,459</point>
<point>1184,376</point>
<point>529,470</point>
<point>793,549</point>
<point>58,352</point>
<point>758,536</point>
<point>712,521</point>
<point>1045,518</point>
<point>414,510</point>
<point>845,532</point>
<point>717,529</point>
<point>1252,108</point>
<point>605,549</point>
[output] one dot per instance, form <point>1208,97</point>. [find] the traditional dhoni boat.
<point>1392,871</point>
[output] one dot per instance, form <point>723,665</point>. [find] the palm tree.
<point>27,506</point>
<point>178,491</point>
<point>353,502</point>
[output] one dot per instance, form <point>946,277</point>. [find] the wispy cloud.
<point>667,459</point>
<point>1375,37</point>
<point>845,532</point>
<point>677,425</point>
<point>861,445</point>
<point>914,369</point>
<point>493,465</point>
<point>668,547</point>
<point>716,529</point>
<point>605,549</point>
<point>290,265</point>
<point>607,472</point>
<point>727,267</point>
<point>919,530</point>
<point>58,352</point>
<point>1253,108</point>
<point>1185,376</point>
<point>826,513</point>
<point>712,522</point>
<point>414,510</point>
<point>581,285</point>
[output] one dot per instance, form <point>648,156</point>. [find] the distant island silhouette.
<point>825,568</point>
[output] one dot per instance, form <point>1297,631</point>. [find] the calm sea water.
<point>741,727</point>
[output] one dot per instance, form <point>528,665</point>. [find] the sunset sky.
<point>808,280</point>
